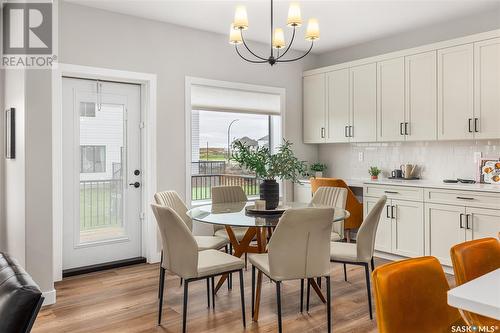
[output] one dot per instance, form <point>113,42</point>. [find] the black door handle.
<point>136,184</point>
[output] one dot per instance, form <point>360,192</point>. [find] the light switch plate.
<point>477,156</point>
<point>360,156</point>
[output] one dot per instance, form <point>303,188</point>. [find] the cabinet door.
<point>482,223</point>
<point>421,96</point>
<point>444,227</point>
<point>338,105</point>
<point>383,236</point>
<point>455,92</point>
<point>408,228</point>
<point>487,89</point>
<point>314,108</point>
<point>391,100</point>
<point>364,103</point>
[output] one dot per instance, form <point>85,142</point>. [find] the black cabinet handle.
<point>470,125</point>
<point>345,132</point>
<point>476,125</point>
<point>391,192</point>
<point>401,129</point>
<point>351,131</point>
<point>467,221</point>
<point>406,128</point>
<point>461,218</point>
<point>387,211</point>
<point>465,198</point>
<point>392,211</point>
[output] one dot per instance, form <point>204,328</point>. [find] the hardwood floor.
<point>125,300</point>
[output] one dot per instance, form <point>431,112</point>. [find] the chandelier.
<point>278,44</point>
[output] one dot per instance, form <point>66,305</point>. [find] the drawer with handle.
<point>463,198</point>
<point>394,192</point>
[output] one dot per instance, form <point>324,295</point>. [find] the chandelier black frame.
<point>272,59</point>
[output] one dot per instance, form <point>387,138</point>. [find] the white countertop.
<point>481,295</point>
<point>422,183</point>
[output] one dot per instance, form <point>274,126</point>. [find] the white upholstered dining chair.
<point>361,252</point>
<point>308,258</point>
<point>332,197</point>
<point>183,258</point>
<point>228,194</point>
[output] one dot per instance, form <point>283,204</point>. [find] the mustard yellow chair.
<point>352,204</point>
<point>471,260</point>
<point>410,297</point>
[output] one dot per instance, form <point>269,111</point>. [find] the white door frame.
<point>190,81</point>
<point>147,82</point>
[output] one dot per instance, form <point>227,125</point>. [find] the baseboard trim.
<point>50,297</point>
<point>102,267</point>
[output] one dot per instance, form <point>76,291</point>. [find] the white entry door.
<point>101,172</point>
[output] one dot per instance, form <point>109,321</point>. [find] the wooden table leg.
<point>239,248</point>
<point>261,244</point>
<point>318,291</point>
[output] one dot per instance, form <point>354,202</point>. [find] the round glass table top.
<point>234,214</point>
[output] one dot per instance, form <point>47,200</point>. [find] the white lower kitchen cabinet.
<point>408,228</point>
<point>445,227</point>
<point>420,220</point>
<point>482,223</point>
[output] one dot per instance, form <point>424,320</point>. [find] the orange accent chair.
<point>411,297</point>
<point>352,205</point>
<point>471,260</point>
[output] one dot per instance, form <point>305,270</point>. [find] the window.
<point>92,159</point>
<point>212,136</point>
<point>87,109</point>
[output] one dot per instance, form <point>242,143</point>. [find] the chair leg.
<point>328,304</point>
<point>308,294</point>
<point>208,292</point>
<point>184,309</point>
<point>242,292</point>
<point>368,289</point>
<point>161,262</point>
<point>230,277</point>
<point>213,292</point>
<point>161,286</point>
<point>278,299</point>
<point>181,283</point>
<point>253,290</point>
<point>301,295</point>
<point>246,261</point>
<point>372,262</point>
<point>345,273</point>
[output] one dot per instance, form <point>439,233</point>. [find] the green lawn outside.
<point>100,207</point>
<point>203,192</point>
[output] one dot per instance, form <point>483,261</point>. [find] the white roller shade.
<point>207,98</point>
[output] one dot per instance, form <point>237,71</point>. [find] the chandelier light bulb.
<point>294,18</point>
<point>241,18</point>
<point>234,35</point>
<point>312,33</point>
<point>278,38</point>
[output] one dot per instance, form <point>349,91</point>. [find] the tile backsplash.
<point>436,160</point>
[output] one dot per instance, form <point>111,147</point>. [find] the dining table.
<point>260,226</point>
<point>480,295</point>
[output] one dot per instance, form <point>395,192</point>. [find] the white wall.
<point>173,52</point>
<point>469,25</point>
<point>14,169</point>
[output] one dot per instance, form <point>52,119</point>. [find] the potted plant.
<point>318,169</point>
<point>374,172</point>
<point>268,167</point>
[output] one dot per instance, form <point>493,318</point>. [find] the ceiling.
<point>342,23</point>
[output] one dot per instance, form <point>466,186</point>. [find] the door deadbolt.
<point>137,172</point>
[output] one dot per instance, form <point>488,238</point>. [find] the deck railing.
<point>208,167</point>
<point>101,203</point>
<point>201,184</point>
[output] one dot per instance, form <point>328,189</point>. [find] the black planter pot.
<point>270,191</point>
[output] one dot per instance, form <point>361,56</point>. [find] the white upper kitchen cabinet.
<point>314,114</point>
<point>456,92</point>
<point>338,106</point>
<point>421,97</point>
<point>363,96</point>
<point>487,89</point>
<point>391,100</point>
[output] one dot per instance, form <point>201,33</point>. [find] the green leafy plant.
<point>374,171</point>
<point>318,167</point>
<point>283,164</point>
